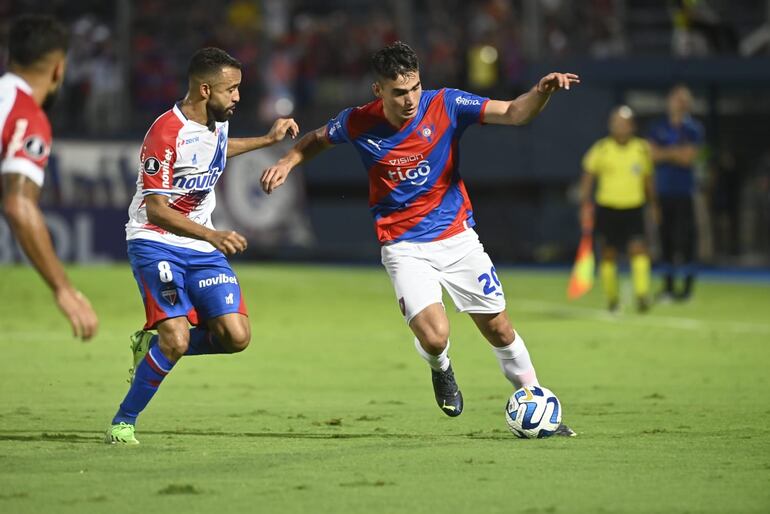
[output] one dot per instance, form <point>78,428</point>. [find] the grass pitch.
<point>331,410</point>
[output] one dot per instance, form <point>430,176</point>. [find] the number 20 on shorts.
<point>491,282</point>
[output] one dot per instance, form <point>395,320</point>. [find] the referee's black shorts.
<point>616,227</point>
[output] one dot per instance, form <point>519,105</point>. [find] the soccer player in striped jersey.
<point>408,142</point>
<point>177,256</point>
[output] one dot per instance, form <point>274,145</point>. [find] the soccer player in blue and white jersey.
<point>408,141</point>
<point>176,254</point>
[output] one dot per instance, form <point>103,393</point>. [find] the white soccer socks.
<point>516,364</point>
<point>514,361</point>
<point>438,362</point>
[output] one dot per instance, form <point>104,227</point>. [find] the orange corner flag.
<point>582,278</point>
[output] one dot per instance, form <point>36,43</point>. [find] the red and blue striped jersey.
<point>415,189</point>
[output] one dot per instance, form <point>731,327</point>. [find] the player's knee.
<point>237,338</point>
<point>435,338</point>
<point>174,343</point>
<point>500,332</point>
<point>503,335</point>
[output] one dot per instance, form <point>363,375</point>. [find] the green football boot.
<point>122,433</point>
<point>140,345</point>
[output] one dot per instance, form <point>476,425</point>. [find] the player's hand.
<point>281,127</point>
<point>229,242</point>
<point>274,176</point>
<point>555,81</point>
<point>78,311</point>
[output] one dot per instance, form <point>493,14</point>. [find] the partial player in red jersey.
<point>408,142</point>
<point>37,49</point>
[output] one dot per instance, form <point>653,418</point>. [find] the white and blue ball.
<point>533,412</point>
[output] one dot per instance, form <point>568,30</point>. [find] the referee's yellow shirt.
<point>620,171</point>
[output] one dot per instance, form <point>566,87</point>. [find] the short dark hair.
<point>395,59</point>
<point>208,61</point>
<point>33,36</point>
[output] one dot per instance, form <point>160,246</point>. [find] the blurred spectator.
<point>104,76</point>
<point>606,38</point>
<point>699,30</point>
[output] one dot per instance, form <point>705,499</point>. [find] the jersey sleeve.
<point>591,159</point>
<point>27,140</point>
<point>464,108</point>
<point>157,161</point>
<point>337,128</point>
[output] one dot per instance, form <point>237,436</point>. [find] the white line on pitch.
<point>536,306</point>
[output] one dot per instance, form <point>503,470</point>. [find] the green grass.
<point>331,410</point>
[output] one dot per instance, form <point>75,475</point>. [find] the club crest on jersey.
<point>35,147</point>
<point>169,295</point>
<point>426,132</point>
<point>151,165</point>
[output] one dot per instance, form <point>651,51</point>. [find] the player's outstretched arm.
<point>308,147</point>
<point>281,127</point>
<point>20,206</point>
<point>524,108</point>
<point>160,214</point>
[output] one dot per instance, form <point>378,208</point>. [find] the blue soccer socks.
<point>149,374</point>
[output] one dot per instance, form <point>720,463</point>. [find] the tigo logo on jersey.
<point>461,100</point>
<point>416,176</point>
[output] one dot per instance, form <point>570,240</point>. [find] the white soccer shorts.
<point>458,263</point>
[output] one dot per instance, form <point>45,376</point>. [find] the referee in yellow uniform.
<point>621,168</point>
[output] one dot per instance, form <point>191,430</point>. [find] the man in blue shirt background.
<point>675,142</point>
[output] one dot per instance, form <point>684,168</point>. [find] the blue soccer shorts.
<point>176,281</point>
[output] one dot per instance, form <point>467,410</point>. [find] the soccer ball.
<point>533,412</point>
